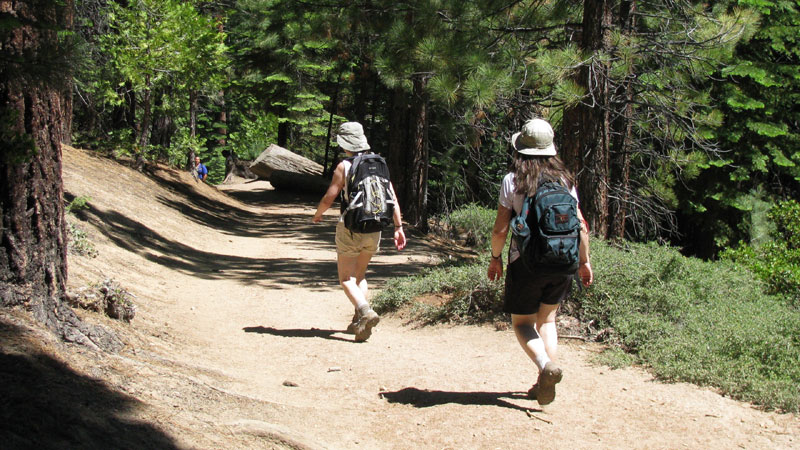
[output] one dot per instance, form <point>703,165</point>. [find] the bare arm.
<point>499,234</point>
<point>584,265</point>
<point>337,183</point>
<point>397,217</point>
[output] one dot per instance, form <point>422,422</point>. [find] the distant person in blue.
<point>202,170</point>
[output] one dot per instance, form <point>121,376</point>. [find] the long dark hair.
<point>530,170</point>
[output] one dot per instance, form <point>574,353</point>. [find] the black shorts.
<point>525,290</point>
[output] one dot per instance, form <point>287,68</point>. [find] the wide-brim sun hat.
<point>351,137</point>
<point>535,139</point>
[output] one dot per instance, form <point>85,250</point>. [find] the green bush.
<point>78,241</point>
<point>777,262</point>
<point>471,296</point>
<point>473,223</point>
<point>708,323</point>
<point>79,203</point>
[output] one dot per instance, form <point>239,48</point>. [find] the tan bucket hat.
<point>535,139</point>
<point>351,137</point>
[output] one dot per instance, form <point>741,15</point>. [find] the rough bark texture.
<point>398,146</point>
<point>33,241</point>
<point>623,129</point>
<point>418,195</point>
<point>586,126</point>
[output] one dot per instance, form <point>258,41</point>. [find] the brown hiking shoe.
<point>351,329</point>
<point>365,325</point>
<point>546,385</point>
<point>533,392</point>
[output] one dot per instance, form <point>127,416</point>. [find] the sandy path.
<point>248,304</point>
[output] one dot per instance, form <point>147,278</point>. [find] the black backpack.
<point>547,230</point>
<point>367,203</point>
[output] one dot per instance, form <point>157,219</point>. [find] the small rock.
<point>335,369</point>
<point>289,383</point>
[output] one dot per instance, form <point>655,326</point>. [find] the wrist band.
<point>498,256</point>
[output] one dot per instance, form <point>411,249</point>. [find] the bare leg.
<point>352,270</point>
<point>546,326</point>
<point>529,339</point>
<point>535,347</point>
<point>352,277</point>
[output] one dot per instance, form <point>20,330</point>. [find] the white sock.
<point>537,345</point>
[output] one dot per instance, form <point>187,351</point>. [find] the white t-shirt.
<point>510,199</point>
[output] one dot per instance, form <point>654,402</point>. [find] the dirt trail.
<point>238,341</point>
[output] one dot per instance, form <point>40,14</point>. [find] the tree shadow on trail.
<point>45,404</point>
<point>298,333</point>
<point>420,398</point>
<point>137,238</point>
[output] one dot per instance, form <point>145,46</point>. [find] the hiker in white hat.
<point>354,249</point>
<point>532,295</point>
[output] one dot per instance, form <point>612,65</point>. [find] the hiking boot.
<point>351,329</point>
<point>546,385</point>
<point>533,392</point>
<point>365,324</point>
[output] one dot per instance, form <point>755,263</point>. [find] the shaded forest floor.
<point>238,342</point>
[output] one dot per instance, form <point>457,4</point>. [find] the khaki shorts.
<point>349,243</point>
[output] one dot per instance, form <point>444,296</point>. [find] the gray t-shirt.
<point>510,199</point>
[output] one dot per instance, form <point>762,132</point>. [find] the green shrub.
<point>777,262</point>
<point>708,323</point>
<point>79,203</point>
<point>473,223</point>
<point>471,296</point>
<point>78,241</point>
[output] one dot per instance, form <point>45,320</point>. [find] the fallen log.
<point>278,158</point>
<point>299,182</point>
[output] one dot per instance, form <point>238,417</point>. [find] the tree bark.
<point>418,194</point>
<point>623,129</point>
<point>586,126</point>
<point>147,117</point>
<point>398,145</point>
<point>33,239</point>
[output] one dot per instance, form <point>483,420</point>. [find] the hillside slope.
<point>238,343</point>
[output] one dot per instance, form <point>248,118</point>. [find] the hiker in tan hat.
<point>539,274</point>
<point>368,204</point>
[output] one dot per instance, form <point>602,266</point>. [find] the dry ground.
<point>238,343</point>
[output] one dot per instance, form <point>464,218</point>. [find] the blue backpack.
<point>547,230</point>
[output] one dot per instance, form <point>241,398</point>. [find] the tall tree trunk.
<point>418,194</point>
<point>586,126</point>
<point>398,145</point>
<point>623,129</point>
<point>190,161</point>
<point>193,112</point>
<point>222,121</point>
<point>147,117</point>
<point>33,239</point>
<point>326,170</point>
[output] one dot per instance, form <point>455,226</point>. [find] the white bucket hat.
<point>535,139</point>
<point>351,137</point>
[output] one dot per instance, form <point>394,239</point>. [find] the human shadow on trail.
<point>420,398</point>
<point>44,404</point>
<point>298,333</point>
